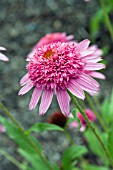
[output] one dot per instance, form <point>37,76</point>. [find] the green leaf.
<point>24,147</point>
<point>71,155</point>
<point>94,167</point>
<point>41,127</point>
<point>94,144</point>
<point>110,142</point>
<point>107,109</point>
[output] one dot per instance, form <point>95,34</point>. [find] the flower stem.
<point>96,113</point>
<point>12,159</point>
<point>4,109</point>
<point>108,22</point>
<point>91,127</point>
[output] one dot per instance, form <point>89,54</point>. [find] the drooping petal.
<point>76,90</point>
<point>87,85</point>
<point>86,52</point>
<point>3,48</point>
<point>45,101</point>
<point>26,88</point>
<point>82,46</point>
<point>3,57</point>
<point>35,98</point>
<point>24,80</point>
<point>94,66</point>
<point>86,77</point>
<point>94,60</point>
<point>63,100</point>
<point>97,75</point>
<point>83,127</point>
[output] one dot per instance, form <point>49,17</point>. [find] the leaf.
<point>41,127</point>
<point>24,147</point>
<point>110,142</point>
<point>71,156</point>
<point>93,167</point>
<point>107,109</point>
<point>94,144</point>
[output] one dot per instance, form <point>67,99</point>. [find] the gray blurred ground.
<point>22,24</point>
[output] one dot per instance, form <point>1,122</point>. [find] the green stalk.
<point>96,113</point>
<point>108,22</point>
<point>4,109</point>
<point>91,127</point>
<point>12,159</point>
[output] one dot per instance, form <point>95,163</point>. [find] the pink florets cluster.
<point>91,116</point>
<point>54,65</point>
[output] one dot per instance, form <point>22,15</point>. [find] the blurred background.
<point>22,24</point>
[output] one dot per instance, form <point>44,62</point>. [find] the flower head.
<point>91,116</point>
<point>57,67</point>
<point>50,38</point>
<point>58,119</point>
<point>2,56</point>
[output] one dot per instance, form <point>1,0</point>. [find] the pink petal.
<point>26,88</point>
<point>76,90</point>
<point>82,46</point>
<point>88,79</point>
<point>3,48</point>
<point>45,101</point>
<point>3,57</point>
<point>24,80</point>
<point>83,127</point>
<point>97,75</point>
<point>94,60</point>
<point>94,66</point>
<point>73,125</point>
<point>87,52</point>
<point>63,100</point>
<point>87,85</point>
<point>69,37</point>
<point>30,55</point>
<point>35,98</point>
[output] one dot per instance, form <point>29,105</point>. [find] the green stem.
<point>96,113</point>
<point>108,22</point>
<point>12,159</point>
<point>27,137</point>
<point>91,127</point>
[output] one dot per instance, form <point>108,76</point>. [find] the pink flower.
<point>2,56</point>
<point>91,116</point>
<point>50,38</point>
<point>57,67</point>
<point>2,129</point>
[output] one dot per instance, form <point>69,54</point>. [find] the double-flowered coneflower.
<point>56,67</point>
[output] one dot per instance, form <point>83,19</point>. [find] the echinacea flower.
<point>58,118</point>
<point>50,38</point>
<point>57,67</point>
<point>2,128</point>
<point>2,56</point>
<point>91,116</point>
